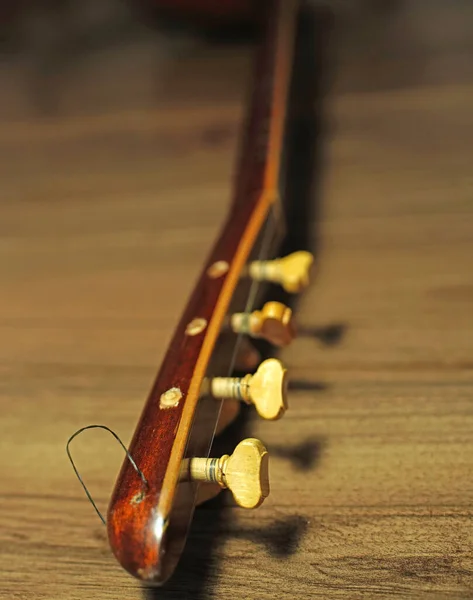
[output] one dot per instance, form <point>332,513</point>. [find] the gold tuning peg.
<point>272,323</point>
<point>244,473</point>
<point>292,271</point>
<point>266,389</point>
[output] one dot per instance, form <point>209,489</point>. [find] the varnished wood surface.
<point>103,230</point>
<point>148,536</point>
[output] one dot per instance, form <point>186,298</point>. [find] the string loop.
<point>128,455</point>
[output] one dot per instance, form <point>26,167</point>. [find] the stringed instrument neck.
<point>194,395</point>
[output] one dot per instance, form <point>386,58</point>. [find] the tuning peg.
<point>266,389</point>
<point>292,271</point>
<point>272,323</point>
<point>244,473</point>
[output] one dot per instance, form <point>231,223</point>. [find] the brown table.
<point>109,204</point>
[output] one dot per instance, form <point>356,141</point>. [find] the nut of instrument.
<point>266,389</point>
<point>292,271</point>
<point>273,323</point>
<point>244,473</point>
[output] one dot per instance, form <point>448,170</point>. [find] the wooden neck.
<point>147,537</point>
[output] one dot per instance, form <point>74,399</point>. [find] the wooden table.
<point>109,205</point>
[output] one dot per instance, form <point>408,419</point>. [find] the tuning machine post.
<point>291,272</point>
<point>266,389</point>
<point>244,473</point>
<point>272,323</point>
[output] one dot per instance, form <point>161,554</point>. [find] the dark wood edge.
<point>138,516</point>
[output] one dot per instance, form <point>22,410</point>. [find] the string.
<point>130,458</point>
<point>266,238</point>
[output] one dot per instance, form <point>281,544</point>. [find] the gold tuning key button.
<point>292,271</point>
<point>272,323</point>
<point>244,473</point>
<point>266,389</point>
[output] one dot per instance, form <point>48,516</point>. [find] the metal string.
<point>129,456</point>
<point>266,238</point>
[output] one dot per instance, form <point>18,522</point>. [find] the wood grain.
<point>371,466</point>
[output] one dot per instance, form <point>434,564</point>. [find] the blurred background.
<point>119,126</point>
<point>72,57</point>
